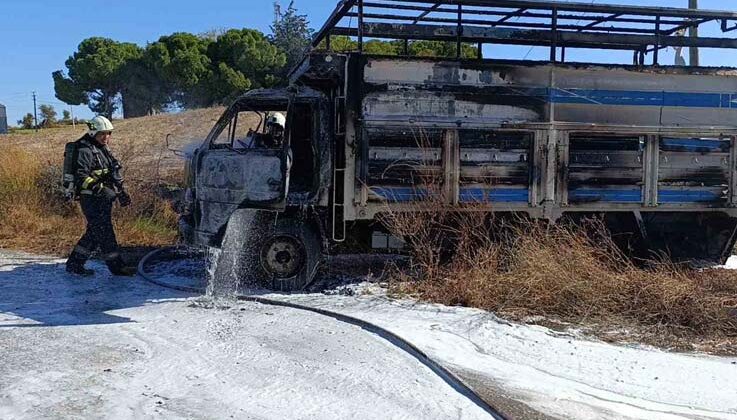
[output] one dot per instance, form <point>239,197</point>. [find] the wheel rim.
<point>283,256</point>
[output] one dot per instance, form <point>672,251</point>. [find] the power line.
<point>17,102</point>
<point>53,102</point>
<point>15,95</point>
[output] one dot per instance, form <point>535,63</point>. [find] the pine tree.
<point>291,34</point>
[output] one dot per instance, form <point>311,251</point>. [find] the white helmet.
<point>277,119</point>
<point>99,123</point>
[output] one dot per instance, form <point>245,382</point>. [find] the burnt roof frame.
<point>658,24</point>
<point>584,7</point>
<point>516,13</point>
<point>602,20</point>
<point>609,17</point>
<point>426,12</point>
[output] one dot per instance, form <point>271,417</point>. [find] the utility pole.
<point>35,114</point>
<point>694,33</point>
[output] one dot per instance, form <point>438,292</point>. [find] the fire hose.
<point>447,376</point>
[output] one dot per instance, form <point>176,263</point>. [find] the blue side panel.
<point>692,100</point>
<point>640,98</point>
<point>726,101</point>
<point>495,195</point>
<point>695,145</point>
<point>472,195</point>
<point>607,97</point>
<point>512,195</point>
<point>688,196</point>
<point>605,195</point>
<point>400,194</point>
<point>467,195</point>
<point>509,195</point>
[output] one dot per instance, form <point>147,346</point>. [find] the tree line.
<point>49,118</point>
<point>184,70</point>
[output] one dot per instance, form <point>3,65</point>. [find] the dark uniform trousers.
<point>99,236</point>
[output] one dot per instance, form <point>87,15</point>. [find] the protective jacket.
<point>96,168</point>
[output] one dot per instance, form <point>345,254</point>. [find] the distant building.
<point>3,120</point>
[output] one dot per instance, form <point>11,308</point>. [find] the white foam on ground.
<point>556,373</point>
<point>731,263</point>
<point>170,359</point>
<point>118,348</point>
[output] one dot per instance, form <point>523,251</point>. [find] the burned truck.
<point>651,148</point>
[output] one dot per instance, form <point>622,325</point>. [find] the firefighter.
<point>275,130</point>
<point>98,184</point>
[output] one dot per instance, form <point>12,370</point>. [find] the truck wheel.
<point>288,256</point>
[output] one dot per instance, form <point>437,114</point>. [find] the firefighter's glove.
<point>101,173</point>
<point>108,193</point>
<point>124,199</point>
<point>94,181</point>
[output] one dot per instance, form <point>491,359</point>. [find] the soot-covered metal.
<point>652,149</point>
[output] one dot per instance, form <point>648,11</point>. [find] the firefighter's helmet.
<point>99,123</point>
<point>277,119</point>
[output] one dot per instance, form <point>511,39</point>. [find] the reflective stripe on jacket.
<point>94,167</point>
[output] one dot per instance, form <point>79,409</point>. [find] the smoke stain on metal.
<point>543,139</point>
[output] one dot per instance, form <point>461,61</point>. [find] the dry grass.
<point>33,215</point>
<point>526,269</point>
<point>137,142</point>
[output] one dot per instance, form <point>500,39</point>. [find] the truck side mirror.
<point>177,152</point>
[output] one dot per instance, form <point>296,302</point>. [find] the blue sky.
<point>38,35</point>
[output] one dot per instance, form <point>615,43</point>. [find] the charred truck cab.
<point>281,184</point>
<point>651,148</point>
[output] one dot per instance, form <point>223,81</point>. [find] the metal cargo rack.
<point>559,26</point>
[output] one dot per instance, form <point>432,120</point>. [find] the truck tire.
<point>263,248</point>
<point>287,254</point>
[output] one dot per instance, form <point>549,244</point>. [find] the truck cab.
<point>241,166</point>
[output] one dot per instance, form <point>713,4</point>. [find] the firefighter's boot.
<point>118,267</point>
<point>75,263</point>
